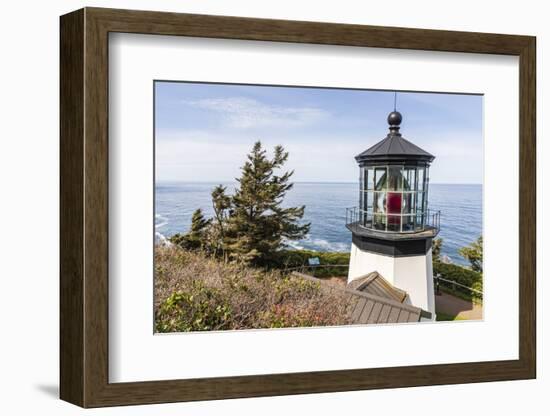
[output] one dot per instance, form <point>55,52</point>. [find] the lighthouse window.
<point>394,202</point>
<point>393,198</point>
<point>408,222</point>
<point>367,218</point>
<point>395,182</point>
<point>379,222</point>
<point>369,198</point>
<point>420,186</point>
<point>379,203</point>
<point>420,202</point>
<point>370,178</point>
<point>380,179</point>
<point>407,206</point>
<point>409,178</point>
<point>420,221</point>
<point>394,222</point>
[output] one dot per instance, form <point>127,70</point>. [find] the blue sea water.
<point>326,203</point>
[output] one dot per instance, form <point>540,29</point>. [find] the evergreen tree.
<point>221,203</point>
<point>257,223</point>
<point>474,254</point>
<point>198,225</point>
<point>195,238</point>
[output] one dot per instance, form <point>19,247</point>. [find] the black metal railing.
<point>456,287</point>
<point>356,217</point>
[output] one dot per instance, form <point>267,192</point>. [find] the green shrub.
<point>461,275</point>
<point>458,273</point>
<point>474,254</point>
<point>201,309</point>
<point>289,288</point>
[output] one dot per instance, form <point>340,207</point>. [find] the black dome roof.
<point>394,148</point>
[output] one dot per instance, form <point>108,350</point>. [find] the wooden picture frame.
<point>84,207</point>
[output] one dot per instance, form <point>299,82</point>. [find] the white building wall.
<point>363,262</point>
<point>413,274</point>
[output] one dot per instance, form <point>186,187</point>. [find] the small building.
<point>392,228</point>
<point>373,301</point>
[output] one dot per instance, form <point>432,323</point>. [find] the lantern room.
<point>393,197</point>
<point>394,178</point>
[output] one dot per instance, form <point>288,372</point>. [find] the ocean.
<point>326,203</point>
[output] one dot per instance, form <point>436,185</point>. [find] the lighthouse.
<point>392,228</point>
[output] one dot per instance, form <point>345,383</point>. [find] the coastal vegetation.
<point>233,271</point>
<point>474,254</point>
<point>470,277</point>
<point>197,292</point>
<point>462,276</point>
<point>251,226</point>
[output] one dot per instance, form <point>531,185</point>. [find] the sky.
<point>204,131</point>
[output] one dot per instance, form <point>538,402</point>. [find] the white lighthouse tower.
<point>392,229</point>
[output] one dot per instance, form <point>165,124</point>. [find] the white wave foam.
<point>318,244</point>
<point>162,240</point>
<point>328,246</point>
<point>163,220</point>
<point>294,244</point>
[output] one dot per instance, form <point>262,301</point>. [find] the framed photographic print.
<point>255,207</point>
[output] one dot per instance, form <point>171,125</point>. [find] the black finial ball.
<point>395,118</point>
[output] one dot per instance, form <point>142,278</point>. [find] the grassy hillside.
<point>197,293</point>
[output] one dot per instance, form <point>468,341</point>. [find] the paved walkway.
<point>459,308</point>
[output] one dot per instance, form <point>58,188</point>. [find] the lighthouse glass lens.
<point>379,203</point>
<point>394,201</point>
<point>395,182</point>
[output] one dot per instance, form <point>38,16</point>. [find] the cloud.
<point>216,156</point>
<point>202,155</point>
<point>246,113</point>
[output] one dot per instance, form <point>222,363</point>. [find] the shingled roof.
<point>394,147</point>
<point>367,308</point>
<point>375,284</point>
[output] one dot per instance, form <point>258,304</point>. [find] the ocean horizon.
<point>326,203</point>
